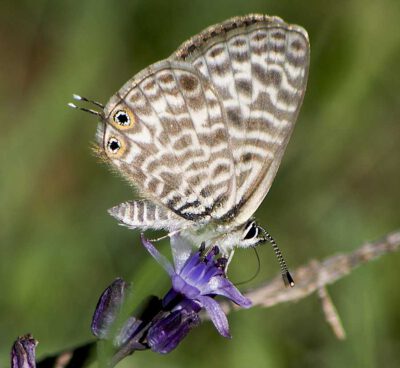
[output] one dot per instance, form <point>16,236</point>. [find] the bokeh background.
<point>338,185</point>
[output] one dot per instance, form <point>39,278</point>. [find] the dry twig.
<point>316,275</point>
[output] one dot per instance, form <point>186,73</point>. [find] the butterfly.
<point>202,133</point>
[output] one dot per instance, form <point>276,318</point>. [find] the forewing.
<point>177,150</point>
<point>258,65</point>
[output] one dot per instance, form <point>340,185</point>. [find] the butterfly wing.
<point>258,65</point>
<point>212,122</point>
<point>175,145</point>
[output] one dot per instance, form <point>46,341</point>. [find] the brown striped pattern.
<point>211,123</point>
<point>259,67</point>
<point>178,149</point>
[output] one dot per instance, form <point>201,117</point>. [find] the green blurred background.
<point>338,185</point>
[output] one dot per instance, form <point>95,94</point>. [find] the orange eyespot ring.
<point>123,119</point>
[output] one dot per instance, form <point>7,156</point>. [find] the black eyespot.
<point>252,232</point>
<point>122,118</point>
<point>113,145</point>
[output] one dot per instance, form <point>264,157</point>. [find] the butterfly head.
<point>252,235</point>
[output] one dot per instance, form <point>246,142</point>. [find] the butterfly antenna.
<point>287,277</point>
<point>90,111</point>
<point>81,98</point>
<point>257,270</point>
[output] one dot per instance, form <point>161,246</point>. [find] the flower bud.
<point>23,352</point>
<point>108,308</point>
<point>165,335</point>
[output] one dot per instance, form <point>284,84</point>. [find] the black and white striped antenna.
<point>287,277</point>
<point>90,111</point>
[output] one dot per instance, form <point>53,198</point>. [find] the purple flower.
<point>196,280</point>
<point>23,352</point>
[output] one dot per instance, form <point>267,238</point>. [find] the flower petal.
<point>158,256</point>
<point>222,286</point>
<point>210,271</point>
<point>181,251</point>
<point>181,286</point>
<point>216,314</point>
<point>193,267</point>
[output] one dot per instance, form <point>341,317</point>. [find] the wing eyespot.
<point>114,146</point>
<point>123,119</point>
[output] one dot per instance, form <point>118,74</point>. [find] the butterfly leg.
<point>169,235</point>
<point>229,260</point>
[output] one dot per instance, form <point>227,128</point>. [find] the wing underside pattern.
<point>213,120</point>
<point>259,67</point>
<point>178,151</point>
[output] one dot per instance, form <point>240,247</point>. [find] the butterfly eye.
<point>251,231</point>
<point>113,145</point>
<point>122,118</point>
